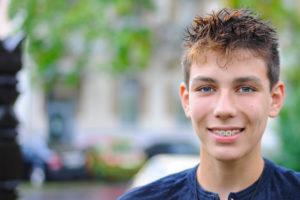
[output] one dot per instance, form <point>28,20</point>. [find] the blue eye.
<point>245,89</point>
<point>206,89</point>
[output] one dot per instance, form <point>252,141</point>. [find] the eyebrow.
<point>203,79</point>
<point>236,81</point>
<point>248,79</point>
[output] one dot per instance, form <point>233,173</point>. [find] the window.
<point>129,101</point>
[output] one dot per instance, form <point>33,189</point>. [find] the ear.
<point>277,99</point>
<point>184,97</point>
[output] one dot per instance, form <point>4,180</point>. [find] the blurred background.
<point>98,107</point>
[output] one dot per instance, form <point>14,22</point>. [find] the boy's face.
<point>234,100</point>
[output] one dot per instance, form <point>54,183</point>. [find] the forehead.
<point>239,63</point>
<point>225,58</point>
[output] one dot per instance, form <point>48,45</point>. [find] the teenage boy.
<point>231,86</point>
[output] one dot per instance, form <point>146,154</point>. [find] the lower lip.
<point>226,139</point>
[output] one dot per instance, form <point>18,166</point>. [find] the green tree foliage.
<point>52,29</point>
<point>285,15</point>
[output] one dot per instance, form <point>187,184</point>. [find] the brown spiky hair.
<point>227,31</point>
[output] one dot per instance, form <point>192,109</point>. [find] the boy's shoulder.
<point>283,182</point>
<point>169,187</point>
<point>283,175</point>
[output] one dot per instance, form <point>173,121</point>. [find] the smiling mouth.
<point>226,133</point>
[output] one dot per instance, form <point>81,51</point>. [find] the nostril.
<point>225,111</point>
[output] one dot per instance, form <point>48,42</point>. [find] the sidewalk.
<point>72,191</point>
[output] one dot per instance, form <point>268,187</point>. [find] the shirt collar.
<point>247,193</point>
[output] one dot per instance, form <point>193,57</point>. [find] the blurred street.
<point>72,191</point>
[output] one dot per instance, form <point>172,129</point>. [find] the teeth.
<point>226,132</point>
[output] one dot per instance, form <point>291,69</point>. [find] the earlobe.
<point>184,97</point>
<point>277,99</point>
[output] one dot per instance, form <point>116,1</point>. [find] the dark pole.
<point>10,155</point>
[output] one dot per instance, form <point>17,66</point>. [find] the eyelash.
<point>200,89</point>
<point>246,87</point>
<point>212,89</point>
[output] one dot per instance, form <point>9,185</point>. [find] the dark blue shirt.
<point>275,183</point>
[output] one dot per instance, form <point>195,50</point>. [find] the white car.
<point>161,165</point>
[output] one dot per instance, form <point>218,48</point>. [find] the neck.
<point>223,177</point>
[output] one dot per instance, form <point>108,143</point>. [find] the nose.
<point>225,106</point>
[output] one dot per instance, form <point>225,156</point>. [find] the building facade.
<point>144,102</point>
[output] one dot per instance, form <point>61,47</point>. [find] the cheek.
<point>256,110</point>
<point>199,108</point>
<point>255,105</point>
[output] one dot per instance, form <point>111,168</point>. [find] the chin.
<point>227,156</point>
